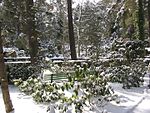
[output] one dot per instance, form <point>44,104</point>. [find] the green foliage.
<point>85,87</point>
<point>91,26</point>
<point>82,84</point>
<point>16,71</point>
<point>134,49</point>
<point>131,70</point>
<point>40,91</point>
<point>22,43</point>
<point>129,75</point>
<point>95,83</point>
<point>130,12</point>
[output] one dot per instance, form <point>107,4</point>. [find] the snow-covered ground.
<point>134,100</point>
<point>22,103</point>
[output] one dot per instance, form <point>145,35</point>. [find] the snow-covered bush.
<point>94,83</point>
<point>131,70</point>
<point>129,75</point>
<point>134,49</point>
<point>16,71</point>
<point>40,91</point>
<point>86,85</point>
<point>130,50</point>
<point>82,87</point>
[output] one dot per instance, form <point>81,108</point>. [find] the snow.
<point>22,103</point>
<point>134,100</point>
<point>76,2</point>
<point>10,49</point>
<point>147,48</point>
<point>18,62</point>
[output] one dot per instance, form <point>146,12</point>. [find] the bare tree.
<point>4,80</point>
<point>149,16</point>
<point>71,31</point>
<point>30,30</point>
<point>141,20</point>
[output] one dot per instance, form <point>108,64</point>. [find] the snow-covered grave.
<point>134,100</point>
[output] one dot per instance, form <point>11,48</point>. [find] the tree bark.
<point>141,20</point>
<point>149,17</point>
<point>4,80</point>
<point>71,31</point>
<point>30,30</point>
<point>78,31</point>
<point>79,42</point>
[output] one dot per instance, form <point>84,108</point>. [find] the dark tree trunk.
<point>60,27</point>
<point>71,31</point>
<point>141,20</point>
<point>149,17</point>
<point>4,80</point>
<point>30,30</point>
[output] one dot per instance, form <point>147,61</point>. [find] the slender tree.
<point>60,26</point>
<point>4,80</point>
<point>71,31</point>
<point>78,27</point>
<point>149,17</point>
<point>30,30</point>
<point>141,19</point>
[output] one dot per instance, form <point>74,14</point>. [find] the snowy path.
<point>134,100</point>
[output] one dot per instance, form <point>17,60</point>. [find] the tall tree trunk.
<point>60,26</point>
<point>149,17</point>
<point>71,31</point>
<point>4,80</point>
<point>30,30</point>
<point>63,46</point>
<point>78,31</point>
<point>141,20</point>
<point>79,42</point>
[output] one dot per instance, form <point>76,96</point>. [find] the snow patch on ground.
<point>22,103</point>
<point>134,100</point>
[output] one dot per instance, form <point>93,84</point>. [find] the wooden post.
<point>51,78</point>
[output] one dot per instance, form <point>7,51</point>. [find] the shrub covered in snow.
<point>131,70</point>
<point>129,75</point>
<point>134,49</point>
<point>82,86</point>
<point>16,71</point>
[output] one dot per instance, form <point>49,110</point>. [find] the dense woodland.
<point>116,30</point>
